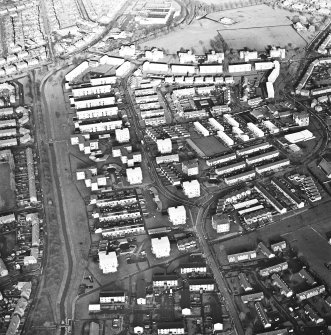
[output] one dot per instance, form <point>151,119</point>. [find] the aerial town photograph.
<point>165,167</point>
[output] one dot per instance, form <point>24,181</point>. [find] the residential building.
<point>221,223</point>
<point>244,283</point>
<point>113,297</point>
<point>122,135</point>
<point>167,159</point>
<point>161,246</point>
<point>230,168</point>
<point>270,198</point>
<point>191,167</point>
<point>164,146</point>
<point>272,166</point>
<point>304,274</point>
<point>221,159</point>
<point>252,297</point>
<point>242,256</point>
<point>265,251</point>
<point>134,175</point>
<point>287,193</point>
<point>235,68</point>
<point>301,118</point>
<point>196,268</point>
<point>201,129</point>
<point>191,188</point>
<point>284,289</point>
<point>239,178</point>
<point>262,315</point>
<point>254,148</point>
<point>170,328</point>
<point>177,215</point>
<point>311,293</point>
<point>278,247</point>
<point>273,269</point>
<point>262,157</point>
<point>201,284</point>
<point>108,262</point>
<point>124,69</point>
<point>312,314</point>
<point>165,281</point>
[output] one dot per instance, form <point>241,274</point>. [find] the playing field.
<point>256,27</point>
<point>7,195</point>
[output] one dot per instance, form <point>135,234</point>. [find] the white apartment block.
<point>99,127</point>
<point>164,146</point>
<point>108,262</point>
<point>191,188</point>
<point>196,285</point>
<point>134,175</point>
<point>193,268</point>
<point>90,103</point>
<point>201,129</point>
<point>177,215</point>
<point>161,246</point>
<point>112,297</point>
<point>97,113</point>
<point>165,280</point>
<point>91,90</point>
<point>122,135</point>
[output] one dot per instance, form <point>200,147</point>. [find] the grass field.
<point>7,195</point>
<point>260,38</point>
<point>7,244</point>
<point>314,249</point>
<point>273,27</point>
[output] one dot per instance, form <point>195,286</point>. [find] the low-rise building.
<point>284,289</point>
<point>165,281</point>
<point>252,297</point>
<point>170,328</point>
<point>262,315</point>
<point>201,284</point>
<point>197,268</point>
<point>304,274</point>
<point>113,297</point>
<point>278,247</point>
<point>242,256</point>
<point>273,269</point>
<point>244,283</point>
<point>313,292</point>
<point>265,251</point>
<point>287,193</point>
<point>312,314</point>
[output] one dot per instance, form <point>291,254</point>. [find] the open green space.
<point>7,194</point>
